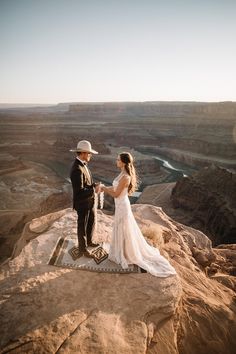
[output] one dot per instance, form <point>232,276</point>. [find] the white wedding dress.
<point>128,245</point>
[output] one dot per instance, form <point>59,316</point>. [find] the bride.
<point>128,245</point>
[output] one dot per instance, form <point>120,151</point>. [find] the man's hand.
<point>97,187</point>
<point>102,186</point>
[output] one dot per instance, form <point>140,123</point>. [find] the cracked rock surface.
<point>47,309</point>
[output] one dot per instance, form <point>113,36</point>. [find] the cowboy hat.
<point>84,146</point>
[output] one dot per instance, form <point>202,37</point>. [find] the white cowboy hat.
<point>84,146</point>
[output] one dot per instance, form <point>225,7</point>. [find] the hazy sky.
<point>117,50</point>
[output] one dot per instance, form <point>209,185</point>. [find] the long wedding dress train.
<point>128,245</point>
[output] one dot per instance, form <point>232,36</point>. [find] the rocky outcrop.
<point>210,195</point>
<point>28,189</point>
<point>47,309</point>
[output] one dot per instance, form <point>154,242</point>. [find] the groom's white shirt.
<point>86,168</point>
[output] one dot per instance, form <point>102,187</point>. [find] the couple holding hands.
<point>128,245</point>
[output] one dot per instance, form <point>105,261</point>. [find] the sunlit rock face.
<point>50,309</point>
<point>210,196</point>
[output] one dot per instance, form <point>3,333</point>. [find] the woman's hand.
<point>102,187</point>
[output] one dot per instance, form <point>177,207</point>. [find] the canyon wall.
<point>210,195</point>
<point>156,108</point>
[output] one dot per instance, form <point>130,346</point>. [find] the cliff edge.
<point>48,309</point>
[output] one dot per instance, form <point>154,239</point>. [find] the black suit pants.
<point>85,226</point>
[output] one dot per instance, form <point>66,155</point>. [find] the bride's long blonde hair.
<point>128,160</point>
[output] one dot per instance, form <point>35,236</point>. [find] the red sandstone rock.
<point>50,309</point>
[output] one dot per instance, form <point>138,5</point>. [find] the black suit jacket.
<point>83,186</point>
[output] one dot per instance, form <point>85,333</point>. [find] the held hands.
<point>102,187</point>
<point>99,187</point>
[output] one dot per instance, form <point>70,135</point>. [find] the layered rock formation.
<point>210,196</point>
<point>206,129</point>
<point>196,133</point>
<point>174,109</point>
<point>47,309</point>
<point>28,189</point>
<point>204,156</point>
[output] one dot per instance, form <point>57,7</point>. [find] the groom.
<point>83,196</point>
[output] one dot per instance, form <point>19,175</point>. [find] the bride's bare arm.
<point>123,183</point>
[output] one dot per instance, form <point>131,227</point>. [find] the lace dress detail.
<point>128,245</point>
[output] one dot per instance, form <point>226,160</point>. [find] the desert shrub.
<point>153,235</point>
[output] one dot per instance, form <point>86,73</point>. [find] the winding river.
<point>176,170</point>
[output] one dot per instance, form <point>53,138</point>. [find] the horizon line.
<point>119,101</point>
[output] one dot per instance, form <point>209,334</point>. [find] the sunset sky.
<point>55,51</point>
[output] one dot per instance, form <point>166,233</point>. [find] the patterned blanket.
<point>65,255</point>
